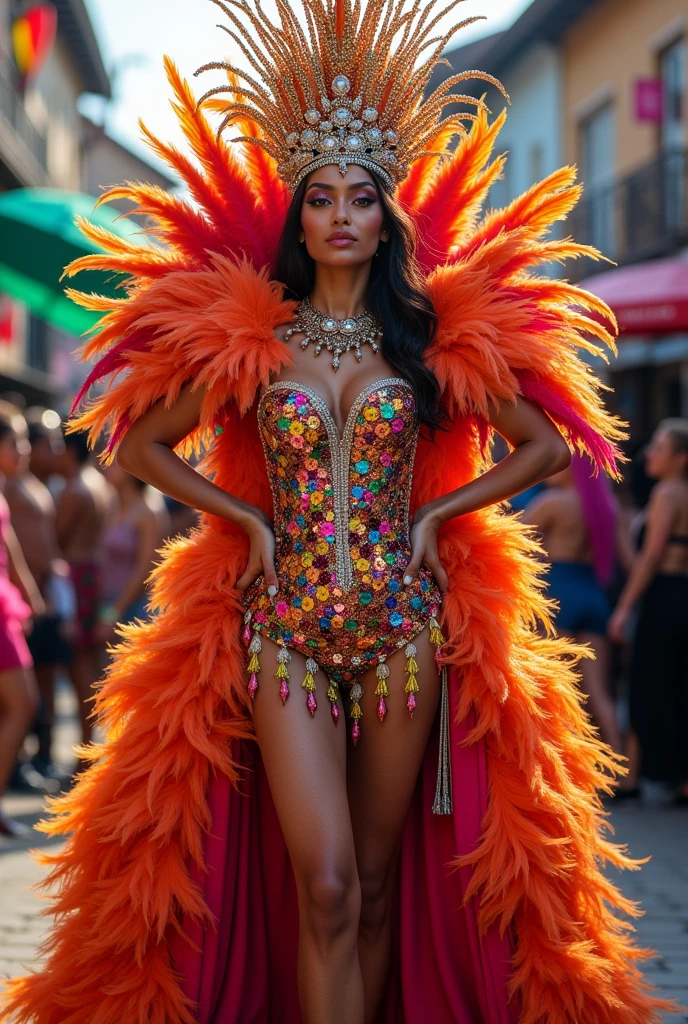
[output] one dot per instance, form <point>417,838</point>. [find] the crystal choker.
<point>336,336</point>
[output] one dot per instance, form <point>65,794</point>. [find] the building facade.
<point>40,146</point>
<point>625,89</point>
<point>603,84</point>
<point>46,142</point>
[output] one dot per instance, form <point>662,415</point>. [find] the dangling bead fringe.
<point>333,696</point>
<point>444,803</point>
<point>247,628</point>
<point>309,685</point>
<point>253,667</point>
<point>282,673</point>
<point>436,638</point>
<point>411,687</point>
<point>356,713</point>
<point>381,690</point>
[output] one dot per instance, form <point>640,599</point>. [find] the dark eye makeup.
<point>368,200</point>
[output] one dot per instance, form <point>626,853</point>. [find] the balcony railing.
<point>13,112</point>
<point>639,217</point>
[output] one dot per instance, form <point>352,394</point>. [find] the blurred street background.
<point>602,84</point>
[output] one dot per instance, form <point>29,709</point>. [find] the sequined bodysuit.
<point>341,520</point>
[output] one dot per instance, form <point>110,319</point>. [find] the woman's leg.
<point>595,680</point>
<point>382,773</point>
<point>305,763</point>
<point>18,704</point>
<point>632,752</point>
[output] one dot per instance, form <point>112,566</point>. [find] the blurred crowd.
<point>619,576</point>
<point>78,542</point>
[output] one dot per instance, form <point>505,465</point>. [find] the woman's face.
<point>661,459</point>
<point>14,454</point>
<point>342,216</point>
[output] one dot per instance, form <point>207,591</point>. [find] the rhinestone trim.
<point>343,159</point>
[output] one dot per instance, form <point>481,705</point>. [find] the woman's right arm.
<point>147,452</point>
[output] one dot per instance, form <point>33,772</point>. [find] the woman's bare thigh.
<point>305,763</point>
<point>384,765</point>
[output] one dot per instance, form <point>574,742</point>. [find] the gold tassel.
<point>381,690</point>
<point>436,638</point>
<point>333,697</point>
<point>308,685</point>
<point>444,803</point>
<point>282,673</point>
<point>253,666</point>
<point>411,687</point>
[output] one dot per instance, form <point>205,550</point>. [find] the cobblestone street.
<point>661,885</point>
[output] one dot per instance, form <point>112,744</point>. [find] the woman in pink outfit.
<point>20,599</point>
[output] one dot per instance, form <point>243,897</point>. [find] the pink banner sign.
<point>648,99</point>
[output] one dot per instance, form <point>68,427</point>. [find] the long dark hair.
<point>395,296</point>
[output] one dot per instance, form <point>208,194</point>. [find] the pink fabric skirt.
<point>14,651</point>
<point>443,971</point>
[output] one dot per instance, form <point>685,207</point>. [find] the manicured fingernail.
<point>272,590</point>
<point>408,579</point>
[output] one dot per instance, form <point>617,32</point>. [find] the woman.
<point>20,599</point>
<point>130,540</point>
<point>658,585</point>
<point>238,855</point>
<point>578,521</point>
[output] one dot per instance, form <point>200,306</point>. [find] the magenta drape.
<point>244,971</point>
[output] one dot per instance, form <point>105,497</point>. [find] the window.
<point>597,149</point>
<point>672,64</point>
<point>537,162</point>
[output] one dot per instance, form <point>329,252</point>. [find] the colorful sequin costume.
<point>176,902</point>
<point>342,542</point>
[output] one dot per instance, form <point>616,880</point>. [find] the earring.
<point>302,238</point>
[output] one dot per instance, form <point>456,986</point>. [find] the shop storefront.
<point>650,374</point>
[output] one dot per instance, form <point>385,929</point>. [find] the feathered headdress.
<point>346,88</point>
<point>504,330</point>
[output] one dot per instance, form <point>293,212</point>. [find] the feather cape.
<point>204,309</point>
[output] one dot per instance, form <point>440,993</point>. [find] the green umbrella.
<point>38,238</point>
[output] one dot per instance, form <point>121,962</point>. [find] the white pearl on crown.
<point>341,85</point>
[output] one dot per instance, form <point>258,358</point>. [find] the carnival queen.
<point>345,777</point>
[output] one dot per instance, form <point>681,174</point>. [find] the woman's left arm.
<point>660,516</point>
<point>538,452</point>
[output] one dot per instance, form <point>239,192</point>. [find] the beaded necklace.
<point>337,336</point>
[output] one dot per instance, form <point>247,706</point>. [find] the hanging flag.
<point>33,36</point>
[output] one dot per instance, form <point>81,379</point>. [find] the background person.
<point>578,520</point>
<point>19,600</point>
<point>32,509</point>
<point>81,511</point>
<point>658,584</point>
<point>134,532</point>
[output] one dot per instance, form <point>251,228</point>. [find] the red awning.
<point>647,298</point>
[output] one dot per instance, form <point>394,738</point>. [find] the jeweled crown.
<point>347,87</point>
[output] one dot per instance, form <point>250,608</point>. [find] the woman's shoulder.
<point>669,497</point>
